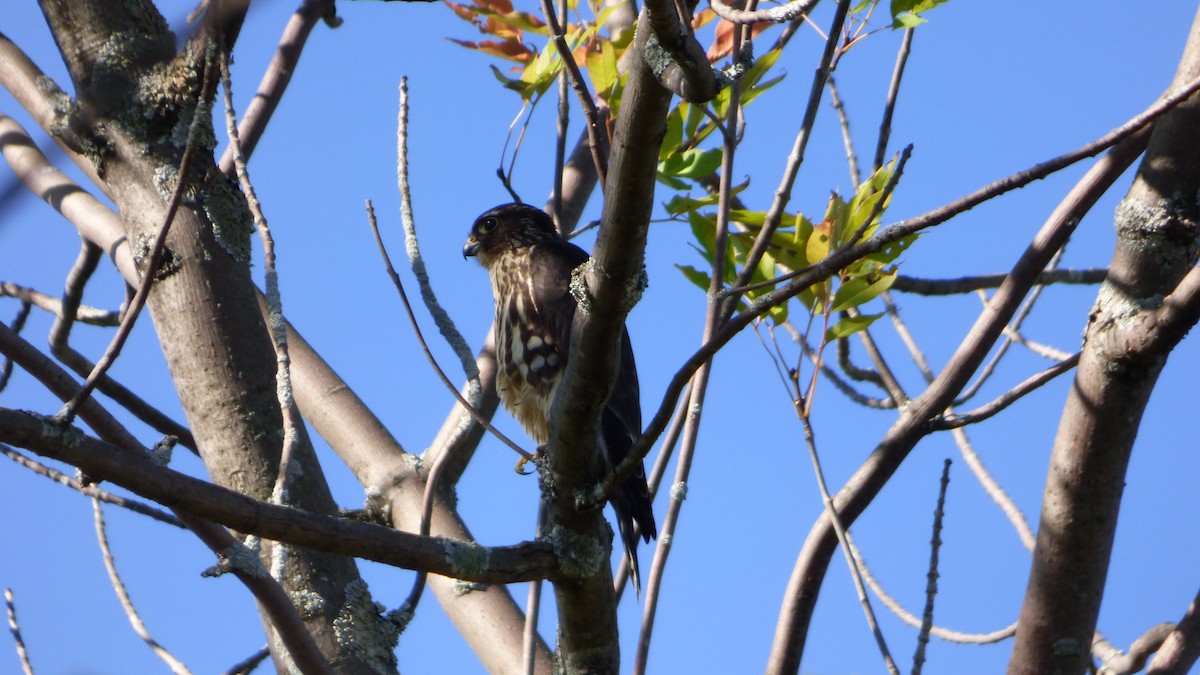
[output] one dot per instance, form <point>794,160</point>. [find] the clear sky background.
<point>990,89</point>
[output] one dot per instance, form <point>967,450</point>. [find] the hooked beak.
<point>470,248</point>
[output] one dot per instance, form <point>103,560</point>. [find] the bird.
<point>530,264</point>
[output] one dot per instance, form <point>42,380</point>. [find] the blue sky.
<point>989,90</point>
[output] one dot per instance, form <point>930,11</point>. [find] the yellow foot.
<point>535,457</point>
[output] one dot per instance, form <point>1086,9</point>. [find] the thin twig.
<point>479,417</point>
<point>90,490</point>
<point>1007,398</point>
<point>699,384</point>
<point>560,138</point>
<point>92,316</point>
<point>135,621</point>
<point>1010,335</point>
<point>15,628</point>
<point>276,324</point>
<point>60,333</point>
<point>441,318</point>
<point>844,123</point>
<point>912,620</point>
<point>932,575</point>
<point>247,665</point>
<point>831,510</point>
<point>884,196</point>
<point>654,479</point>
<point>67,414</point>
<point>1114,662</point>
<point>533,605</point>
<point>783,193</point>
<point>18,323</point>
<point>906,284</point>
<point>781,14</point>
<point>277,75</point>
<point>889,106</point>
<point>597,138</point>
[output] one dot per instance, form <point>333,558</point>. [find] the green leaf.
<point>681,204</point>
<point>602,68</point>
<point>753,219</point>
<point>761,89</point>
<point>865,199</point>
<point>674,135</point>
<point>818,245</point>
<point>907,13</point>
<point>670,181</point>
<point>892,251</point>
<point>704,229</point>
<point>859,291</point>
<point>691,164</point>
<point>907,21</point>
<point>695,276</point>
<point>848,326</point>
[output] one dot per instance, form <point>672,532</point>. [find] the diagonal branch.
<point>140,475</point>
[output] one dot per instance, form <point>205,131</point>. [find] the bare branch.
<point>15,628</point>
<point>276,326</point>
<point>1181,649</point>
<point>89,315</point>
<point>932,575</point>
<point>906,284</point>
<point>248,664</point>
<point>278,75</point>
<point>889,106</point>
<point>597,138</point>
<point>1114,662</point>
<point>135,620</point>
<point>479,416</point>
<point>271,597</point>
<point>783,13</point>
<point>138,474</point>
<point>673,55</point>
<point>67,414</point>
<point>831,512</point>
<point>90,490</point>
<point>1123,353</point>
<point>901,438</point>
<point>1007,398</point>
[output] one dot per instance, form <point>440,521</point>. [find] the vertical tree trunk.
<point>1127,342</point>
<point>135,101</point>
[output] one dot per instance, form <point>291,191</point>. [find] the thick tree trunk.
<point>1130,332</point>
<point>135,102</point>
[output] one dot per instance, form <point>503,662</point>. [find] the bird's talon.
<point>520,467</point>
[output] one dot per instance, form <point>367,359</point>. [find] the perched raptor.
<point>530,267</point>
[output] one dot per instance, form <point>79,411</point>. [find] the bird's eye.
<point>487,225</point>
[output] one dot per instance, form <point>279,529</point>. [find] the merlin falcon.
<point>530,267</point>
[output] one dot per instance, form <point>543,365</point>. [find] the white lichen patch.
<point>679,491</point>
<point>462,588</point>
<point>161,453</point>
<point>578,556</point>
<point>466,558</point>
<point>226,209</point>
<point>363,631</point>
<point>308,602</point>
<point>237,558</point>
<point>579,288</point>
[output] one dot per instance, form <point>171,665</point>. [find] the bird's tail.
<point>635,520</point>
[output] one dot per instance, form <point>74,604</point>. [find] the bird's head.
<point>508,227</point>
